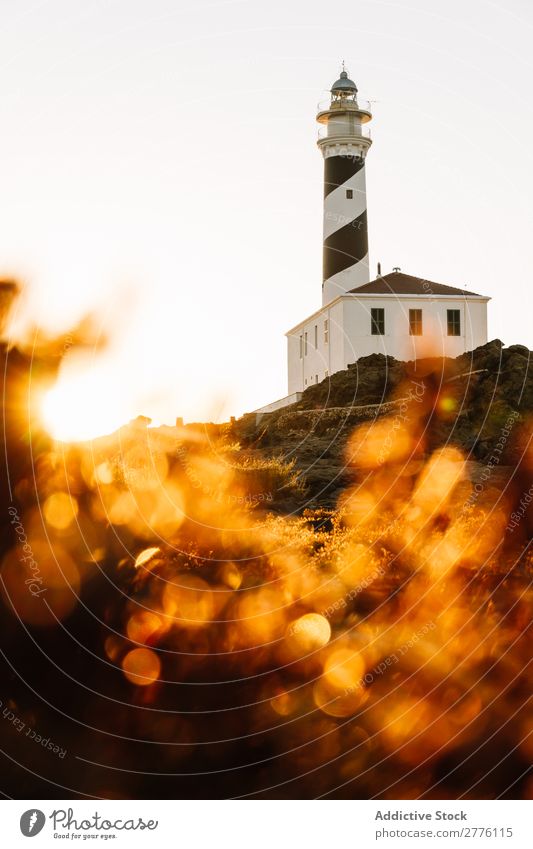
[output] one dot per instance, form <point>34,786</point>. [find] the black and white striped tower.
<point>344,144</point>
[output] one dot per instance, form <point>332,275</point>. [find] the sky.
<point>159,169</point>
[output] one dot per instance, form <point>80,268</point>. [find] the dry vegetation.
<point>200,626</point>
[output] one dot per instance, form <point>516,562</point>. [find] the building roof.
<point>397,283</point>
<point>344,84</point>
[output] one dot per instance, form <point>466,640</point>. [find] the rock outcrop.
<point>468,403</point>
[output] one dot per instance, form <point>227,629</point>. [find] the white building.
<point>396,314</point>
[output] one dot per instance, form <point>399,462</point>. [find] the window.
<point>305,343</point>
<point>415,322</point>
<point>325,331</point>
<point>301,346</point>
<point>316,378</point>
<point>326,373</point>
<point>316,335</point>
<point>377,318</point>
<point>454,322</point>
<point>349,194</point>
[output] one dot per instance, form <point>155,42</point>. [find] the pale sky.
<point>158,163</point>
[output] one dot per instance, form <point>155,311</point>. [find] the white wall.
<point>397,342</point>
<point>280,403</point>
<point>326,358</point>
<point>350,337</point>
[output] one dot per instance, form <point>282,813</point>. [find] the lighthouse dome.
<point>344,85</point>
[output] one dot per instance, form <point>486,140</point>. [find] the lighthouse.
<point>394,314</point>
<point>344,142</point>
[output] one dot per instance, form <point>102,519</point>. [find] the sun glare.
<point>78,409</point>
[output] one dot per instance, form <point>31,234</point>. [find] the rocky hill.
<point>467,402</point>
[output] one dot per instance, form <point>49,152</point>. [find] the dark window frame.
<point>415,322</point>
<point>349,194</point>
<point>453,322</point>
<point>377,321</point>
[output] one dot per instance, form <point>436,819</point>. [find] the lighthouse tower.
<point>344,143</point>
<point>395,314</point>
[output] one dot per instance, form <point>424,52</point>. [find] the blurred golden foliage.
<point>373,657</point>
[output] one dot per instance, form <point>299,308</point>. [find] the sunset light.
<point>266,473</point>
<point>82,408</point>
